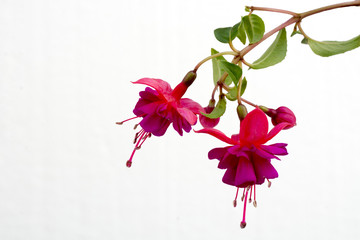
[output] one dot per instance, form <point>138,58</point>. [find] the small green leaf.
<point>219,109</point>
<point>329,48</point>
<point>295,32</point>
<point>232,94</point>
<point>254,27</point>
<point>274,54</point>
<point>305,41</point>
<point>243,86</point>
<point>217,70</point>
<point>241,33</point>
<point>223,34</point>
<point>233,70</point>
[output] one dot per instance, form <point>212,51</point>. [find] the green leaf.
<point>241,33</point>
<point>234,31</point>
<point>243,86</point>
<point>223,34</point>
<point>233,70</point>
<point>217,70</point>
<point>232,94</point>
<point>274,54</point>
<point>329,48</point>
<point>219,109</point>
<point>254,27</point>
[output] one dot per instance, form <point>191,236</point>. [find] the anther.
<point>119,123</point>
<point>269,183</point>
<point>137,148</point>
<point>255,203</point>
<point>235,203</point>
<point>136,126</point>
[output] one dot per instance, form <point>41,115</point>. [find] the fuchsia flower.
<point>248,160</point>
<point>161,106</point>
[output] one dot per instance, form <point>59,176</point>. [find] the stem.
<point>272,10</point>
<point>330,7</point>
<point>213,56</point>
<point>239,88</point>
<point>296,19</point>
<point>248,102</point>
<point>302,31</point>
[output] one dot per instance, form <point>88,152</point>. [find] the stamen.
<point>141,133</point>
<point>255,203</point>
<point>235,202</point>
<point>120,123</point>
<point>243,223</point>
<point>137,135</point>
<point>243,196</point>
<point>251,188</point>
<point>145,136</point>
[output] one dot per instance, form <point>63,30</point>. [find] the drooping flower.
<point>160,106</point>
<point>280,115</point>
<point>247,159</point>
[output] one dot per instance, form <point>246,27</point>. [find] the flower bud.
<point>209,122</point>
<point>280,115</point>
<point>241,111</point>
<point>181,88</point>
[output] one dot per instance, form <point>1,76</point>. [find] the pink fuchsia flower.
<point>160,106</point>
<point>209,122</point>
<point>247,159</point>
<point>280,115</point>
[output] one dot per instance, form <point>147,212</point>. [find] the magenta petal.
<point>245,175</point>
<point>186,125</point>
<point>265,154</point>
<point>155,124</point>
<point>228,161</point>
<point>276,130</point>
<point>150,95</point>
<point>229,176</point>
<point>188,115</point>
<point>254,127</point>
<point>276,149</point>
<point>177,124</point>
<point>238,151</point>
<point>145,107</point>
<point>191,105</point>
<point>217,153</point>
<point>263,169</point>
<point>218,134</point>
<point>161,86</point>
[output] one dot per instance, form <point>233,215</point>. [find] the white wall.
<point>65,72</point>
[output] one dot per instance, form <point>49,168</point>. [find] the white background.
<point>65,72</point>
